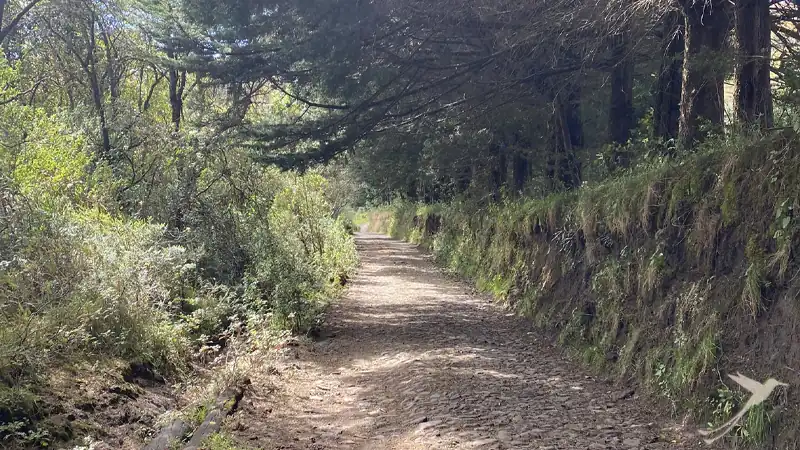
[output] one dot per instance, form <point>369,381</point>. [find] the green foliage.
<point>53,164</point>
<point>612,286</point>
<point>757,425</point>
<point>19,407</point>
<point>653,273</point>
<point>785,227</point>
<point>304,257</point>
<point>106,291</point>
<point>136,222</point>
<point>302,216</point>
<point>627,363</point>
<point>753,429</point>
<point>198,414</point>
<point>728,207</point>
<point>22,433</point>
<point>83,276</point>
<point>218,441</point>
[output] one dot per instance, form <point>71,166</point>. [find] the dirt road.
<point>415,361</point>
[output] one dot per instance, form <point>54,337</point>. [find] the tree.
<point>8,28</point>
<point>83,35</point>
<point>566,134</point>
<point>666,105</point>
<point>704,68</point>
<point>753,92</point>
<point>620,116</point>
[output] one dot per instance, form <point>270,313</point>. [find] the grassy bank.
<point>669,276</point>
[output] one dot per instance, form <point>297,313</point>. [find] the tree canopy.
<point>500,91</point>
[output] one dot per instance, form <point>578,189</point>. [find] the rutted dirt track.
<point>415,361</point>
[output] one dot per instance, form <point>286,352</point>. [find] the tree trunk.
<point>621,119</point>
<point>500,171</point>
<point>411,191</point>
<point>225,404</point>
<point>185,199</point>
<point>464,180</point>
<point>113,74</point>
<point>704,63</point>
<point>571,109</point>
<point>521,171</point>
<point>90,67</point>
<point>753,91</point>
<point>177,83</point>
<point>12,24</point>
<point>666,111</point>
<point>2,14</point>
<point>189,175</point>
<point>168,436</point>
<point>566,133</point>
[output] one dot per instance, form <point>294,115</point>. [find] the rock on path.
<point>414,361</point>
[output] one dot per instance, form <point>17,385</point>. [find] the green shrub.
<point>317,253</point>
<point>98,262</point>
<point>93,283</point>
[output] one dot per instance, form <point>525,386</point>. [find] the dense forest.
<point>177,176</point>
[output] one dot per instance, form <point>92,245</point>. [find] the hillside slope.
<point>671,276</point>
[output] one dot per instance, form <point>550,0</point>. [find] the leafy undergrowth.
<point>669,276</point>
<point>94,300</point>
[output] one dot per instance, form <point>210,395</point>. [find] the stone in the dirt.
<point>630,442</point>
<point>624,395</point>
<point>429,424</point>
<point>480,442</point>
<point>533,433</point>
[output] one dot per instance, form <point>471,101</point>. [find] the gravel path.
<point>412,360</point>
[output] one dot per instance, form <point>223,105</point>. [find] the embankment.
<point>669,277</point>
